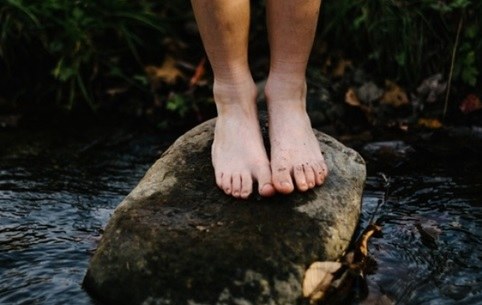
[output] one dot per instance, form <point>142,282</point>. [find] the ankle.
<point>286,91</point>
<point>233,96</point>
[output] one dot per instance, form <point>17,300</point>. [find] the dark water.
<point>430,251</point>
<point>59,188</point>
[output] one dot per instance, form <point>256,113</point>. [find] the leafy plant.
<point>408,40</point>
<point>71,50</point>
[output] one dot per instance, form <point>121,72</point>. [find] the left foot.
<point>296,158</point>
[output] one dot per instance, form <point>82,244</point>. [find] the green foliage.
<point>70,53</point>
<point>71,50</point>
<point>406,39</point>
<point>178,104</point>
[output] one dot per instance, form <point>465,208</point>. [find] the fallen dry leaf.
<point>341,66</point>
<point>333,280</point>
<point>394,95</point>
<point>336,67</point>
<point>198,73</point>
<point>318,278</point>
<point>362,245</point>
<point>167,73</point>
<point>351,98</point>
<point>430,123</point>
<point>470,104</point>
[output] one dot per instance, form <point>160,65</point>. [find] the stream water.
<point>58,189</point>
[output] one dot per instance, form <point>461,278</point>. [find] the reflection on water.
<point>59,188</point>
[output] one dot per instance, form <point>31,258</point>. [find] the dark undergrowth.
<point>144,59</point>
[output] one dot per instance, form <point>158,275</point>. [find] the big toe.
<point>282,180</point>
<point>265,186</point>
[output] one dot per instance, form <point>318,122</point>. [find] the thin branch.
<point>452,64</point>
<point>386,190</point>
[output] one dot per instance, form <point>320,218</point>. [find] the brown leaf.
<point>470,104</point>
<point>318,278</point>
<point>430,123</point>
<point>167,73</point>
<point>198,73</point>
<point>362,244</point>
<point>351,98</point>
<point>394,95</point>
<point>341,66</point>
<point>333,280</point>
<point>335,67</point>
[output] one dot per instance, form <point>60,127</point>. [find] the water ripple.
<point>58,191</point>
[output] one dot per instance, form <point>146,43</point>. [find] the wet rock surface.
<point>177,239</point>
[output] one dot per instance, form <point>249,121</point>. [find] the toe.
<point>300,178</point>
<point>319,173</point>
<point>236,185</point>
<point>265,186</point>
<point>219,179</point>
<point>324,168</point>
<point>282,180</point>
<point>309,175</point>
<point>246,185</point>
<point>226,184</point>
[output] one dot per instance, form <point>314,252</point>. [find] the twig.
<point>452,64</point>
<point>386,187</point>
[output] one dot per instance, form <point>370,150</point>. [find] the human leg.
<point>238,153</point>
<point>296,158</point>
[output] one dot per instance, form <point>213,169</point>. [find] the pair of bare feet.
<point>238,153</point>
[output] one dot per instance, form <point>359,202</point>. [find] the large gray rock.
<point>177,239</point>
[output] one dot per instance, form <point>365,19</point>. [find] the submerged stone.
<point>177,239</point>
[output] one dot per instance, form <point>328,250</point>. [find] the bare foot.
<point>238,154</point>
<point>296,158</point>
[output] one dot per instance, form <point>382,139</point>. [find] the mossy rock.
<point>177,239</point>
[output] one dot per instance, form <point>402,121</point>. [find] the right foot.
<point>238,154</point>
<point>296,158</point>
